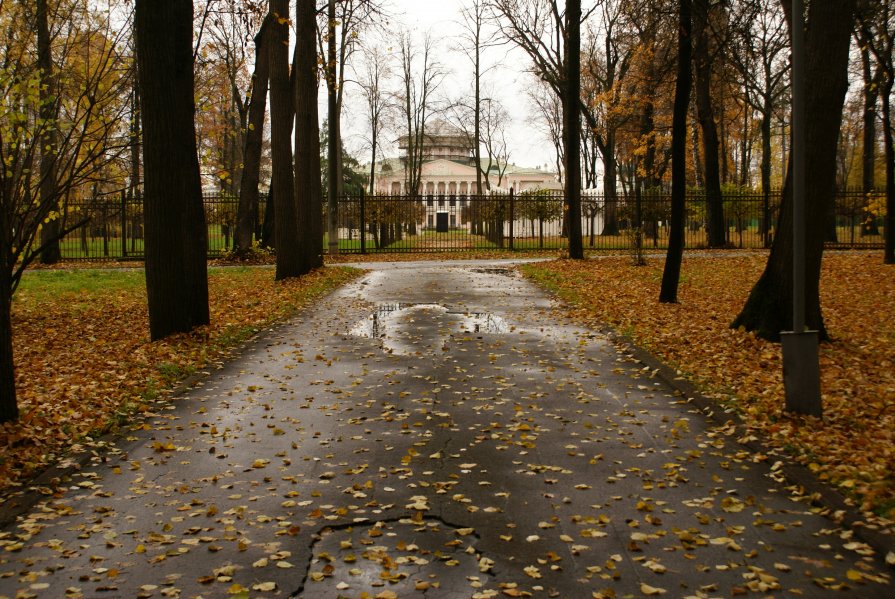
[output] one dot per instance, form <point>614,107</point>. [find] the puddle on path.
<point>386,317</point>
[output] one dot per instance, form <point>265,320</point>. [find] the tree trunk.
<point>766,116</point>
<point>334,178</point>
<point>572,126</point>
<point>889,254</point>
<point>9,409</point>
<point>672,273</point>
<point>373,146</point>
<point>254,138</point>
<point>308,192</point>
<point>176,237</point>
<point>871,96</point>
<point>477,124</point>
<point>610,187</point>
<point>268,234</point>
<point>768,311</point>
<point>286,223</point>
<point>868,155</point>
<point>50,230</point>
<point>703,60</point>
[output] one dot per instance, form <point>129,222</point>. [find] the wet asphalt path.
<point>432,430</point>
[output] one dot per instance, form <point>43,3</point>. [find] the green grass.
<point>42,285</point>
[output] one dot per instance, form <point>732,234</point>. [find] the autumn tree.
<point>254,140</point>
<point>282,184</point>
<point>49,107</point>
<point>672,271</point>
<point>877,26</point>
<point>83,141</point>
<point>707,16</point>
<point>768,311</point>
<point>572,126</point>
<point>338,36</point>
<point>547,35</point>
<point>176,237</point>
<point>607,54</point>
<point>871,76</point>
<point>760,62</point>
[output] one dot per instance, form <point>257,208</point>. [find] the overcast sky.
<point>527,139</point>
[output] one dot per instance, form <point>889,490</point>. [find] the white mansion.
<point>449,168</point>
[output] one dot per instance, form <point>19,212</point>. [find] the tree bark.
<point>176,239</point>
<point>49,233</point>
<point>9,409</point>
<point>766,115</point>
<point>572,126</point>
<point>251,174</point>
<point>672,273</point>
<point>308,192</point>
<point>710,144</point>
<point>768,311</point>
<point>333,151</point>
<point>889,253</point>
<point>282,182</point>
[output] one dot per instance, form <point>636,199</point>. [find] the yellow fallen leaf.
<point>650,590</point>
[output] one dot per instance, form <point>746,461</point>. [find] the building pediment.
<point>447,168</point>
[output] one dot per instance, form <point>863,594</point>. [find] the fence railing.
<point>113,228</point>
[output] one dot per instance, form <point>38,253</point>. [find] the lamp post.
<point>801,369</point>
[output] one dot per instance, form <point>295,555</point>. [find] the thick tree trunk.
<point>176,238</point>
<point>714,202</point>
<point>282,180</point>
<point>308,192</point>
<point>9,409</point>
<point>672,273</point>
<point>889,253</point>
<point>333,150</point>
<point>871,96</point>
<point>49,232</point>
<point>572,127</point>
<point>610,186</point>
<point>868,154</point>
<point>254,137</point>
<point>768,311</point>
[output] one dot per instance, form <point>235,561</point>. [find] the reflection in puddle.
<point>376,325</point>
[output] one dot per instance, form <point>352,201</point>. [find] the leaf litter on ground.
<point>853,446</point>
<point>84,362</point>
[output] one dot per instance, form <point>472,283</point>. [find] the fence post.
<point>123,224</point>
<point>512,216</point>
<point>363,222</point>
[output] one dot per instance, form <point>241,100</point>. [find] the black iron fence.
<point>113,225</point>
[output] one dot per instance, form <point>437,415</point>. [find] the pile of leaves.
<point>853,446</point>
<point>85,363</point>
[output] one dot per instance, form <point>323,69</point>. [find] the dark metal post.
<point>123,224</point>
<point>363,223</point>
<point>801,369</point>
<point>512,216</point>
